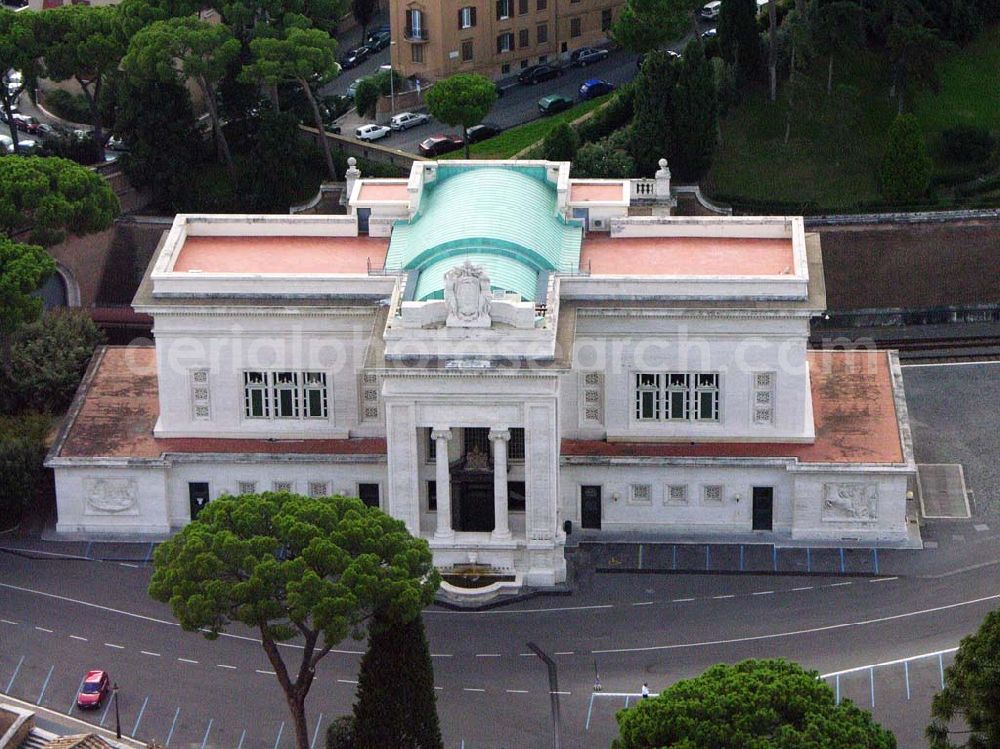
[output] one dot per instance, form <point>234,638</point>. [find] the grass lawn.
<point>510,142</point>
<point>832,157</point>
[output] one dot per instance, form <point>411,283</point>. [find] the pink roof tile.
<point>686,256</point>
<point>281,254</point>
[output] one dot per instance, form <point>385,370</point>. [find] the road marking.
<point>644,603</point>
<point>523,611</point>
<point>472,689</point>
<point>516,691</point>
<point>77,637</point>
<point>346,681</point>
<point>186,660</point>
<point>564,652</point>
<point>442,655</point>
<point>487,655</point>
<point>126,564</point>
<point>797,632</point>
<point>42,629</point>
<point>719,598</point>
<point>804,587</point>
<point>680,600</point>
<point>763,593</point>
<point>527,655</point>
<point>7,621</point>
<point>116,647</point>
<point>558,692</point>
<point>440,689</point>
<point>150,652</point>
<point>223,665</point>
<point>266,673</point>
<point>837,585</point>
<point>882,579</point>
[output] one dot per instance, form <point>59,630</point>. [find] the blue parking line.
<point>45,685</point>
<point>242,736</point>
<point>871,676</point>
<point>135,728</point>
<point>86,553</point>
<point>774,556</point>
<point>675,556</point>
<point>841,561</point>
<point>708,557</point>
<point>941,667</point>
<point>174,723</point>
<point>875,559</point>
<point>741,557</point>
<point>70,711</point>
<point>149,553</point>
<point>838,690</point>
<point>278,738</point>
<point>809,560</point>
<point>312,743</point>
<point>906,671</point>
<point>14,675</point>
<point>105,714</point>
<point>205,740</point>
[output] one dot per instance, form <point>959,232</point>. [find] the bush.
<point>67,106</point>
<point>601,160</point>
<point>340,734</point>
<point>966,144</point>
<point>906,169</point>
<point>22,450</point>
<point>561,143</point>
<point>614,115</point>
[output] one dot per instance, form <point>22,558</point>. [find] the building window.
<point>414,24</point>
<point>640,494</point>
<point>542,5</point>
<point>475,440</point>
<point>543,59</point>
<point>319,489</point>
<point>522,7</point>
<point>543,33</point>
<point>466,17</point>
<point>505,42</point>
<point>503,9</point>
<point>563,47</point>
<point>417,52</point>
<point>283,486</point>
<point>677,396</point>
<point>246,487</point>
<point>256,404</point>
<point>286,395</point>
<point>467,50</point>
<point>432,495</point>
<point>606,19</point>
<point>200,395</point>
<point>515,496</point>
<point>523,38</point>
<point>505,69</point>
<point>369,494</point>
<point>677,494</point>
<point>574,27</point>
<point>314,398</point>
<point>763,398</point>
<point>711,494</point>
<point>524,64</point>
<point>515,448</point>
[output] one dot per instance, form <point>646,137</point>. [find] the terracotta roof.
<point>251,254</point>
<point>853,407</point>
<point>78,741</point>
<point>117,407</point>
<point>686,256</point>
<point>596,192</point>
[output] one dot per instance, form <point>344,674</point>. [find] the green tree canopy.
<point>313,570</point>
<point>696,115</point>
<point>971,693</point>
<point>835,29</point>
<point>179,49</point>
<point>23,269</point>
<point>464,99</point>
<point>652,136</point>
<point>49,197</point>
<point>19,50</point>
<point>561,143</point>
<point>396,704</point>
<point>603,160</point>
<point>305,56</point>
<point>645,25</point>
<point>756,703</point>
<point>906,167</point>
<point>739,39</point>
<point>83,43</point>
<point>364,11</point>
<point>915,51</point>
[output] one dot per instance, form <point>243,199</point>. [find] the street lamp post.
<point>553,691</point>
<point>392,88</point>
<point>118,717</point>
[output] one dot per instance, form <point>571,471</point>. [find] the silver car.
<point>406,120</point>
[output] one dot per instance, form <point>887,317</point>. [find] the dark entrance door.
<point>368,493</point>
<point>475,506</point>
<point>198,494</point>
<point>763,508</point>
<point>363,215</point>
<point>590,507</point>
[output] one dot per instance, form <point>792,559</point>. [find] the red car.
<point>96,686</point>
<point>439,144</point>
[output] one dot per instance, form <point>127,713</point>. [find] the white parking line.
<point>565,652</point>
<point>150,652</point>
<point>267,673</point>
<point>882,579</point>
<point>126,564</point>
<point>763,593</point>
<point>346,681</point>
<point>804,587</point>
<point>680,600</point>
<point>223,665</point>
<point>557,692</point>
<point>516,691</point>
<point>472,689</point>
<point>719,598</point>
<point>487,655</point>
<point>77,637</point>
<point>527,655</point>
<point>442,655</point>
<point>643,603</point>
<point>186,660</point>
<point>42,629</point>
<point>837,585</point>
<point>7,621</point>
<point>116,647</point>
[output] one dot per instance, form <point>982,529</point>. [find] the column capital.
<point>500,434</point>
<point>441,434</point>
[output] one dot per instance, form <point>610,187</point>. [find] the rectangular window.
<point>523,38</point>
<point>476,440</point>
<point>523,64</point>
<point>466,17</point>
<point>285,394</point>
<point>515,496</point>
<point>606,19</point>
<point>256,404</point>
<point>522,7</point>
<point>417,52</point>
<point>505,42</point>
<point>246,487</point>
<point>678,404</point>
<point>574,27</point>
<point>314,398</point>
<point>503,9</point>
<point>640,494</point>
<point>505,69</point>
<point>677,494</point>
<point>432,495</point>
<point>711,494</point>
<point>369,494</point>
<point>467,47</point>
<point>515,448</point>
<point>706,397</point>
<point>541,5</point>
<point>283,486</point>
<point>762,403</point>
<point>647,396</point>
<point>319,489</point>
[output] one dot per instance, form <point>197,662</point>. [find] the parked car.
<point>25,123</point>
<point>372,132</point>
<point>642,58</point>
<point>482,131</point>
<point>587,55</point>
<point>406,120</point>
<point>116,144</point>
<point>709,33</point>
<point>595,87</point>
<point>378,40</point>
<point>538,73</point>
<point>710,11</point>
<point>6,144</point>
<point>335,129</point>
<point>354,57</point>
<point>96,686</point>
<point>554,103</point>
<point>439,144</point>
<point>353,88</point>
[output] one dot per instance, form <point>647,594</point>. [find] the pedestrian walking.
<point>645,690</point>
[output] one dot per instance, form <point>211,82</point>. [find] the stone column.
<point>442,481</point>
<point>501,523</point>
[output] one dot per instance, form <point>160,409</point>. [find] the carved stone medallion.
<point>106,496</point>
<point>850,502</point>
<point>467,295</point>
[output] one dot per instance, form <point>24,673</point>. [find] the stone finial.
<point>663,181</point>
<point>350,177</point>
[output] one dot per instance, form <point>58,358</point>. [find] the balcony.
<point>415,35</point>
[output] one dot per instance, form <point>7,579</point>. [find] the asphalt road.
<point>60,617</point>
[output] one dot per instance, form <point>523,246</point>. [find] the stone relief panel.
<point>107,496</point>
<point>850,502</point>
<point>467,294</point>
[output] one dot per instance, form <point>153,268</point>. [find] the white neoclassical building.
<point>498,355</point>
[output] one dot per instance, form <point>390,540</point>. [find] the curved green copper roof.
<point>502,218</point>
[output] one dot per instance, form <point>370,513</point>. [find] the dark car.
<point>439,144</point>
<point>538,73</point>
<point>554,103</point>
<point>96,686</point>
<point>587,55</point>
<point>595,87</point>
<point>482,131</point>
<point>355,57</point>
<point>378,40</point>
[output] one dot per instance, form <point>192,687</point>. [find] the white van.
<point>711,10</point>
